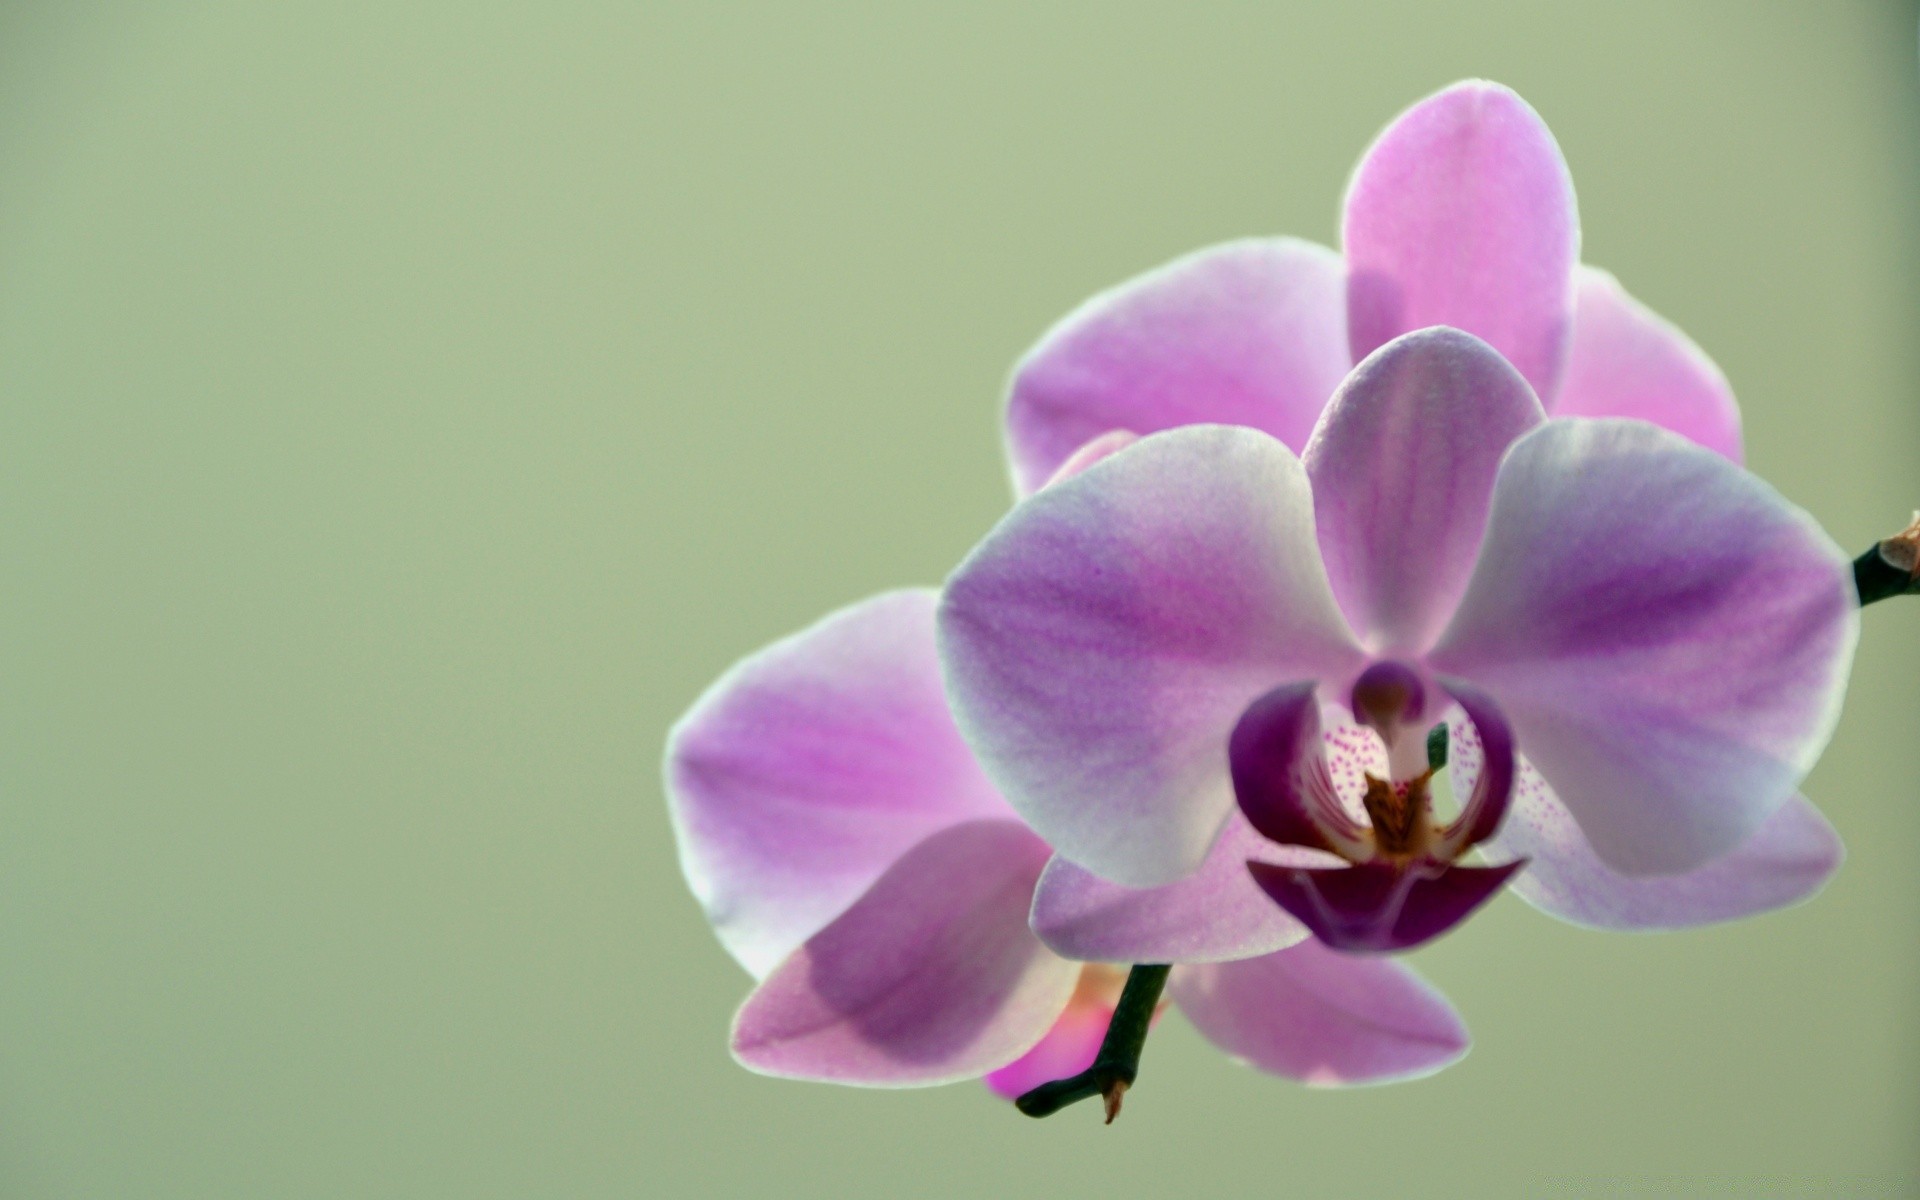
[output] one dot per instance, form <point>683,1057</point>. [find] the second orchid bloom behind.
<point>1197,674</point>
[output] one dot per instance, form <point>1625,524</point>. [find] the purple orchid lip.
<point>1381,908</point>
<point>1403,883</point>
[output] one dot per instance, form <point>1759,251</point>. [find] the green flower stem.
<point>1118,1064</point>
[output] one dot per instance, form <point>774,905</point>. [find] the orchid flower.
<point>854,859</point>
<point>1642,646</point>
<point>1664,637</point>
<point>1199,683</point>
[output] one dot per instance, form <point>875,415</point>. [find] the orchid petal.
<point>1402,465</point>
<point>1282,779</point>
<point>1068,1049</point>
<point>1216,913</point>
<point>1377,907</point>
<point>1074,1041</point>
<point>1101,642</point>
<point>1785,861</point>
<point>1627,361</point>
<point>1462,213</point>
<point>1485,799</point>
<point>800,776</point>
<point>1322,1017</point>
<point>1668,636</point>
<point>1105,446</point>
<point>932,976</point>
<point>1247,333</point>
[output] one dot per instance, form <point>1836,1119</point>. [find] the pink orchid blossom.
<point>1184,621</point>
<point>853,857</point>
<point>1641,648</point>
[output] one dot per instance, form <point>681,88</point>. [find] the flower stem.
<point>1890,567</point>
<point>1118,1064</point>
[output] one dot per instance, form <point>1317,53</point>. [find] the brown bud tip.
<point>1113,1094</point>
<point>1902,550</point>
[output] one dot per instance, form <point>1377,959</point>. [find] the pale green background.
<point>405,410</point>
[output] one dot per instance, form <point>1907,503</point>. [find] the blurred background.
<point>405,410</point>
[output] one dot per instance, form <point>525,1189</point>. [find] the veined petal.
<point>1402,465</point>
<point>932,976</point>
<point>1322,1017</point>
<point>800,776</point>
<point>1248,333</point>
<point>1216,913</point>
<point>1283,779</point>
<point>1785,861</point>
<point>1102,641</point>
<point>1378,908</point>
<point>1627,361</point>
<point>1669,638</point>
<point>1462,213</point>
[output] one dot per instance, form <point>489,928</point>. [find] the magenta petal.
<point>1668,637</point>
<point>1375,907</point>
<point>1281,778</point>
<point>810,766</point>
<point>1067,1049</point>
<point>1787,860</point>
<point>1248,333</point>
<point>931,977</point>
<point>1462,213</point>
<point>1402,464</point>
<point>1322,1017</point>
<point>1626,361</point>
<point>1216,913</point>
<point>1102,641</point>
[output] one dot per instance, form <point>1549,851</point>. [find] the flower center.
<point>1400,812</point>
<point>1402,883</point>
<point>1390,699</point>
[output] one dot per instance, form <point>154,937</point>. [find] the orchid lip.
<point>1403,883</point>
<point>1378,907</point>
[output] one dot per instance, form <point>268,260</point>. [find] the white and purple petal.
<point>1669,638</point>
<point>1214,914</point>
<point>1402,465</point>
<point>1322,1017</point>
<point>1101,642</point>
<point>1787,860</point>
<point>930,977</point>
<point>807,769</point>
<point>1250,333</point>
<point>1627,361</point>
<point>1462,213</point>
